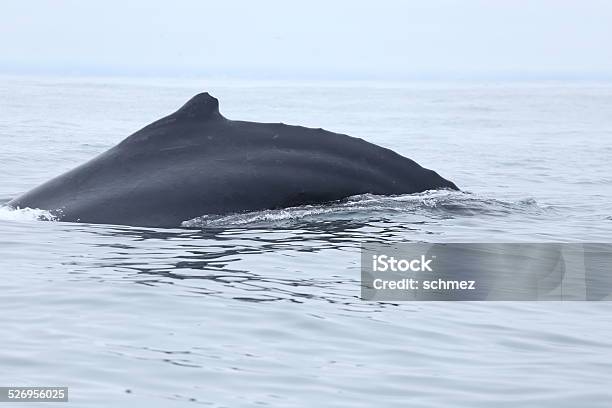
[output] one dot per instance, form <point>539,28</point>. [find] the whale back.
<point>195,162</point>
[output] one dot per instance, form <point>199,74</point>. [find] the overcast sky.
<point>309,39</point>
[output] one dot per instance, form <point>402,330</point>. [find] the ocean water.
<point>263,308</point>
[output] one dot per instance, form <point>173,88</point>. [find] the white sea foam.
<point>25,214</point>
<point>446,202</point>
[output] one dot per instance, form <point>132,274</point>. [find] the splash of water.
<point>430,203</point>
<point>25,214</point>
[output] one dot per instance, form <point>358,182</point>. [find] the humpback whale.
<point>196,162</point>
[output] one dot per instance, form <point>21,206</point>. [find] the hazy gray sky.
<point>309,39</point>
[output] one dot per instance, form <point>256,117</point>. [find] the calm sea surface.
<point>263,308</point>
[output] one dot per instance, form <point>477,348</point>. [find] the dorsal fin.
<point>202,106</point>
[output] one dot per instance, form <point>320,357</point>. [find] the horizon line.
<point>308,75</point>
